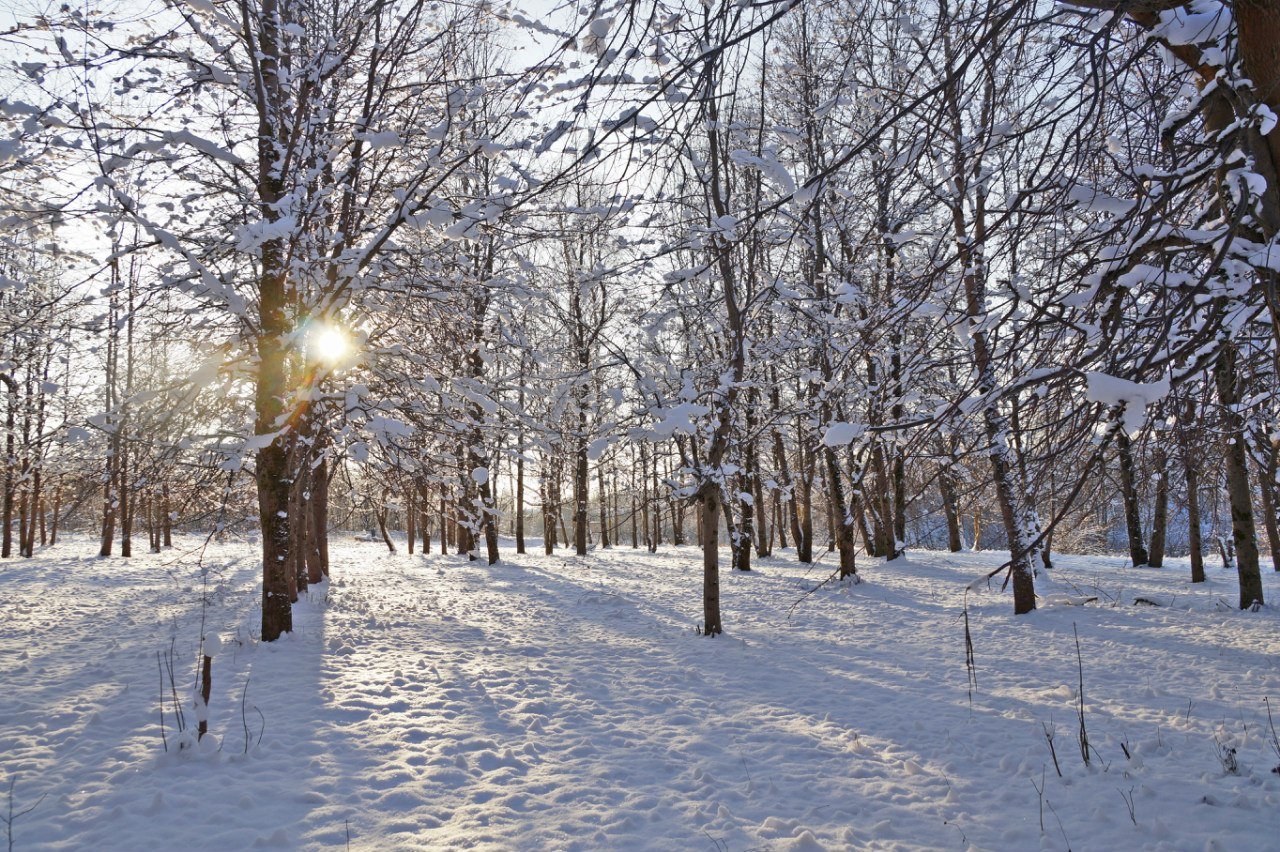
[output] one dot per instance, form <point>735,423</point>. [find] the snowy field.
<point>558,703</point>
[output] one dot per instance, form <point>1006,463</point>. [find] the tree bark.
<point>410,520</point>
<point>1129,495</point>
<point>1243,531</point>
<point>166,515</point>
<point>274,327</point>
<point>603,496</point>
<point>710,503</point>
<point>1267,470</point>
<point>1194,543</point>
<point>951,509</point>
<point>381,514</point>
<point>519,497</point>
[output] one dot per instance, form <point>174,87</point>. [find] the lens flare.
<point>329,345</point>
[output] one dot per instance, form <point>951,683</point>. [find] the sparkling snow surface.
<point>558,703</point>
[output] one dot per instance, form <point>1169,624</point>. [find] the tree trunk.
<point>273,344</point>
<point>1243,532</point>
<point>381,515</point>
<point>733,529</point>
<point>1129,495</point>
<point>951,509</point>
<point>710,499</point>
<point>519,497</point>
<point>657,506</point>
<point>635,522</point>
<point>53,521</point>
<point>125,493</point>
<point>645,498</point>
<point>1160,514</point>
<point>764,537</point>
<point>107,536</point>
<point>580,484</point>
<point>410,520</point>
<point>166,519</point>
<point>297,519</point>
<point>804,506</point>
<point>786,486</point>
<point>273,509</point>
<point>605,543</point>
<point>444,526</point>
<point>23,522</point>
<point>1267,483</point>
<point>844,523</point>
<point>318,525</point>
<point>780,522</point>
<point>489,521</point>
<point>1195,545</point>
<point>548,513</point>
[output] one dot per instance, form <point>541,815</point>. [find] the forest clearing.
<point>564,703</point>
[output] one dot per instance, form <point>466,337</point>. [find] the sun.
<point>329,345</point>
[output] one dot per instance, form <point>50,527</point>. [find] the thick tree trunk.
<point>843,520</point>
<point>298,519</point>
<point>489,522</point>
<point>1243,531</point>
<point>899,502</point>
<point>37,509</point>
<point>519,498</point>
<point>107,536</point>
<point>951,509</point>
<point>318,525</point>
<point>271,391</point>
<point>1129,495</point>
<point>804,506</point>
<point>272,463</point>
<point>1195,545</point>
<point>1267,486</point>
<point>710,503</point>
<point>580,495</point>
<point>273,510</point>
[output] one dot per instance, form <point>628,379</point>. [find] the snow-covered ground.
<point>564,703</point>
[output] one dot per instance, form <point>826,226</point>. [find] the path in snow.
<point>562,703</point>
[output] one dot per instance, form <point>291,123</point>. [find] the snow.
<point>839,434</point>
<point>1095,201</point>
<point>677,419</point>
<point>379,139</point>
<point>564,702</point>
<point>1134,396</point>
